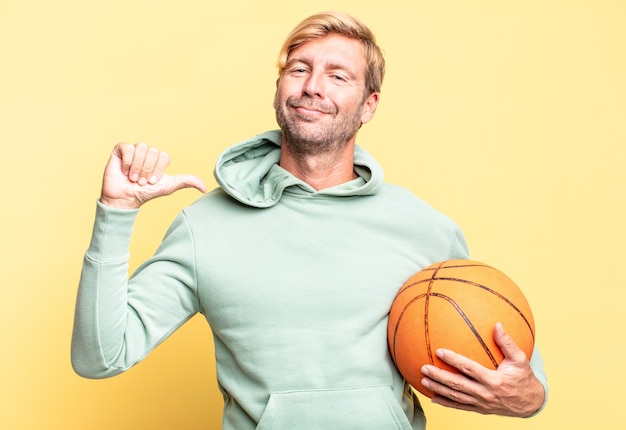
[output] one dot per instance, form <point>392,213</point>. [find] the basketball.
<point>456,304</point>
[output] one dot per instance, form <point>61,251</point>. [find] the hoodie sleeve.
<point>536,363</point>
<point>118,321</point>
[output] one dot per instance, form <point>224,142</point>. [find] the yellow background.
<point>507,115</point>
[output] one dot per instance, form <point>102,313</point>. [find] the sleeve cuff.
<point>111,233</point>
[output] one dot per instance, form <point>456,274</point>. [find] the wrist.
<point>119,203</point>
<point>540,402</point>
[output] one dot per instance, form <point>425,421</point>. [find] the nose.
<point>314,86</point>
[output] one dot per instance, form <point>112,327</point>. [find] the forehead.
<point>333,50</point>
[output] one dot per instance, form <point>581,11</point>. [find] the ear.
<point>274,103</point>
<point>369,107</point>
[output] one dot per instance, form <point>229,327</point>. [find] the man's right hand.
<point>135,174</point>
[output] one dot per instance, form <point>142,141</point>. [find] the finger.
<point>507,345</point>
<point>463,364</point>
<point>149,165</point>
<point>449,403</point>
<point>456,381</point>
<point>125,152</point>
<point>166,186</point>
<point>162,162</point>
<point>136,165</point>
<point>455,387</point>
<point>187,181</point>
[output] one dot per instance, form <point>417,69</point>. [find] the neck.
<point>320,170</point>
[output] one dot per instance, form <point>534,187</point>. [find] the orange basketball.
<point>456,304</point>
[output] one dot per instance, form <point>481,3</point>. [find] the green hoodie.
<point>295,283</point>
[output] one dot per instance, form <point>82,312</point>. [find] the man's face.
<point>320,98</point>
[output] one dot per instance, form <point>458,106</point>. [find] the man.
<point>294,261</point>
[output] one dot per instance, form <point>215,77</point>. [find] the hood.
<point>249,172</point>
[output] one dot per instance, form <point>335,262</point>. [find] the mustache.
<point>309,103</point>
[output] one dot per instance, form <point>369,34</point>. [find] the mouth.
<point>305,111</point>
<point>310,109</point>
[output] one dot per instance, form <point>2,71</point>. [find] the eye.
<point>298,70</point>
<point>339,78</point>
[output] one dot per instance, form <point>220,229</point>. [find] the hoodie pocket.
<point>362,408</point>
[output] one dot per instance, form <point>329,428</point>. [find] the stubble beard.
<point>316,136</point>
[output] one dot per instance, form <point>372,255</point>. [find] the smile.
<point>309,112</point>
<point>310,109</point>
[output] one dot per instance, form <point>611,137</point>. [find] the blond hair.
<point>325,23</point>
